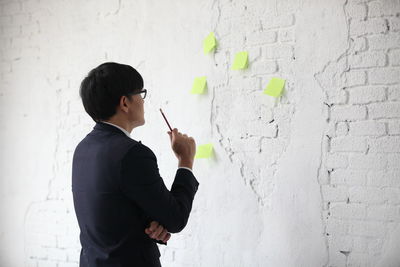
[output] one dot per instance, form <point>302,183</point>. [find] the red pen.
<point>162,113</point>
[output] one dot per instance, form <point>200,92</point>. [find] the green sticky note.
<point>204,151</point>
<point>199,85</point>
<point>209,43</point>
<point>240,61</point>
<point>275,87</point>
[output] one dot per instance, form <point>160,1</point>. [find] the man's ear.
<point>123,103</point>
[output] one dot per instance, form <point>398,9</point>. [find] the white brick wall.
<point>362,192</point>
<point>329,146</point>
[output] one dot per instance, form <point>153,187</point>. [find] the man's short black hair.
<point>102,88</point>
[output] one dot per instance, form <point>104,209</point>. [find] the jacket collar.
<point>107,127</point>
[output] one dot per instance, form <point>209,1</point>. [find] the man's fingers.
<point>167,238</point>
<point>157,232</point>
<point>163,235</point>
<point>153,226</point>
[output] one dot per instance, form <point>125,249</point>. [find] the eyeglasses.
<point>142,93</point>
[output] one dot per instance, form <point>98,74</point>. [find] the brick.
<point>384,110</point>
<point>357,10</point>
<point>22,19</point>
<point>283,112</point>
<point>370,26</point>
<point>40,239</point>
<point>336,160</point>
<point>73,254</point>
<point>368,195</point>
<point>286,6</point>
<point>5,43</point>
<point>394,127</point>
<point>47,263</point>
<point>30,262</point>
<point>394,57</point>
<point>6,20</point>
<point>11,8</point>
<point>358,259</point>
<point>383,213</point>
<point>342,128</point>
<point>348,211</point>
<point>30,29</point>
<point>245,84</point>
<point>261,37</point>
<point>323,177</point>
<point>367,162</point>
<point>264,67</point>
<point>393,161</point>
<point>375,244</point>
<point>385,144</point>
<point>348,177</point>
<point>360,244</point>
<point>336,227</point>
<point>67,264</point>
<point>394,24</point>
<point>384,76</point>
<point>36,252</point>
<point>340,242</point>
<point>368,229</point>
<point>286,35</point>
<point>254,53</point>
<point>282,51</point>
<point>57,254</point>
<point>392,195</point>
<point>383,41</point>
<point>67,241</point>
<point>355,77</point>
<point>334,193</point>
<point>5,67</point>
<point>360,44</point>
<point>348,113</point>
<point>368,59</point>
<point>337,96</point>
<point>11,31</point>
<point>336,258</point>
<point>383,8</point>
<point>394,92</point>
<point>367,94</point>
<point>285,66</point>
<point>348,144</point>
<point>367,128</point>
<point>271,22</point>
<point>237,25</point>
<point>230,41</point>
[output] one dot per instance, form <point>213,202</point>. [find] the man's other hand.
<point>158,232</point>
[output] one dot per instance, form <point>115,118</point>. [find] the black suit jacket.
<point>117,191</point>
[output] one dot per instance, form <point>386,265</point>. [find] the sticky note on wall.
<point>240,61</point>
<point>199,85</point>
<point>204,151</point>
<point>210,43</point>
<point>275,87</point>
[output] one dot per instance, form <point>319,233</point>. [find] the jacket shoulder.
<point>140,150</point>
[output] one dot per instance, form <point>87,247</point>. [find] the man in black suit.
<point>122,204</point>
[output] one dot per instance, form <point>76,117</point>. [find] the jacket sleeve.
<point>142,183</point>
